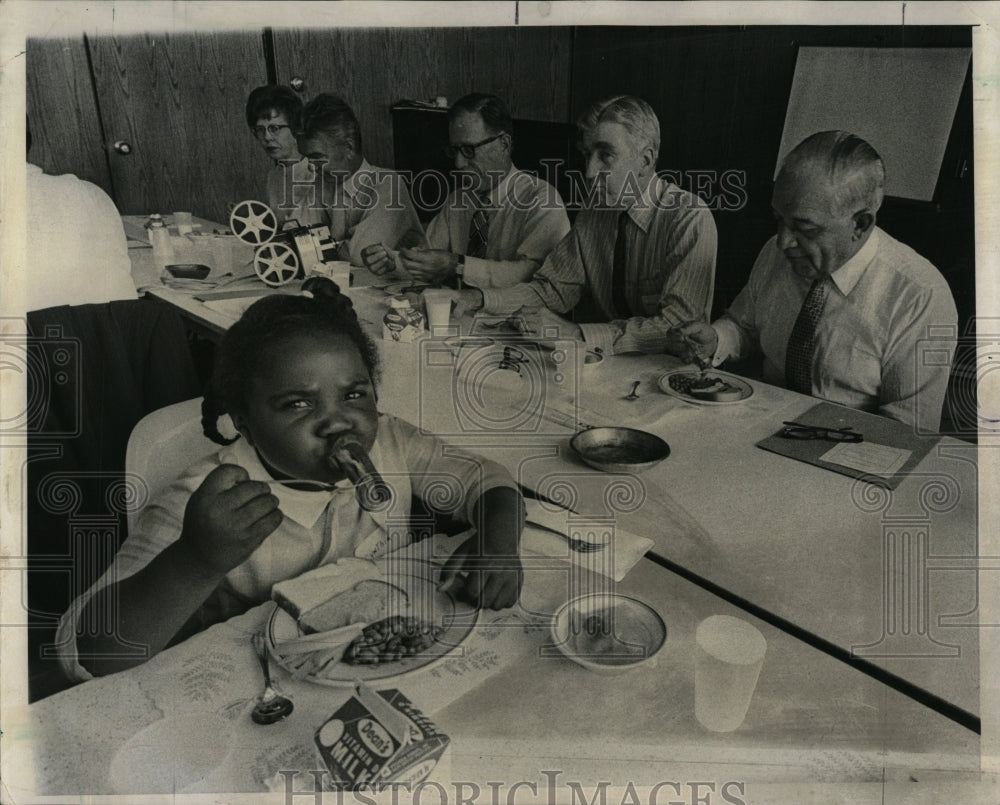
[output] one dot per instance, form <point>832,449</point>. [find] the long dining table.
<point>515,713</point>
<point>868,601</point>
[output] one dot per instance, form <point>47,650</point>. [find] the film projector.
<point>281,254</point>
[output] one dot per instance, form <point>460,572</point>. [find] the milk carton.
<point>402,322</point>
<point>379,738</point>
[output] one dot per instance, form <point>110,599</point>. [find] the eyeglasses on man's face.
<point>272,128</point>
<point>468,150</point>
<point>793,430</point>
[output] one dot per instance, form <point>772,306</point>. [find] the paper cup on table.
<point>437,303</point>
<point>728,660</point>
<point>337,270</point>
<point>222,254</point>
<point>184,222</point>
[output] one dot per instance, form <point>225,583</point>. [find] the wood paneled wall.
<point>179,100</point>
<point>373,68</point>
<point>721,95</point>
<point>62,110</point>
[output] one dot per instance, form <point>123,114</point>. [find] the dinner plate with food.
<point>710,387</point>
<point>348,622</point>
<point>407,286</point>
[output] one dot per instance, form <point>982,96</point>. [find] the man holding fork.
<point>836,305</point>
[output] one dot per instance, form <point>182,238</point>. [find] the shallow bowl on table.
<point>188,271</point>
<point>619,449</point>
<point>608,633</point>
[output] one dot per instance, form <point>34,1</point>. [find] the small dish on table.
<point>616,449</point>
<point>188,271</point>
<point>608,633</point>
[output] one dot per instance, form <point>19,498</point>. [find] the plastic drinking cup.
<point>729,657</point>
<point>438,306</point>
<point>184,223</point>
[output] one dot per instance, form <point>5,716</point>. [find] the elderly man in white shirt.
<point>500,223</point>
<point>836,305</point>
<point>365,206</point>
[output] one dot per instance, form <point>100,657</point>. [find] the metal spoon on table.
<point>632,395</point>
<point>271,706</point>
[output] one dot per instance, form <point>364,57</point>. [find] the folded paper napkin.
<point>615,559</point>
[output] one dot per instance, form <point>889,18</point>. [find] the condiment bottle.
<point>159,239</point>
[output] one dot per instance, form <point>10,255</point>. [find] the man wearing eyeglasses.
<point>837,306</point>
<point>364,205</point>
<point>639,260</point>
<point>272,112</point>
<point>499,224</point>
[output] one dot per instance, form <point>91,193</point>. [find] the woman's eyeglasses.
<point>272,129</point>
<point>793,430</point>
<point>469,150</point>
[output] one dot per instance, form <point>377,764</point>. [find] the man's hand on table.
<point>429,265</point>
<point>546,325</point>
<point>378,259</point>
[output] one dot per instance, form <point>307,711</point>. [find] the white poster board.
<point>901,100</point>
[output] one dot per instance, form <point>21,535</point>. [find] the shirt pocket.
<point>856,368</point>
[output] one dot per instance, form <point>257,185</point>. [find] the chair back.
<point>162,445</point>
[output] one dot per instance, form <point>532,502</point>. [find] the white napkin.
<point>614,560</point>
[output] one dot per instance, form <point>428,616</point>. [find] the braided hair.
<point>322,308</point>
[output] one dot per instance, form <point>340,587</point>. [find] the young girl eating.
<point>296,374</point>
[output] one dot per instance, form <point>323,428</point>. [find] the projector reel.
<point>253,222</point>
<point>276,264</point>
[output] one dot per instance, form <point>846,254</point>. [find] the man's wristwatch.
<point>460,266</point>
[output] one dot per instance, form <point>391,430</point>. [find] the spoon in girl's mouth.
<point>372,492</point>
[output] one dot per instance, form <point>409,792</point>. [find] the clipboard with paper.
<point>887,452</point>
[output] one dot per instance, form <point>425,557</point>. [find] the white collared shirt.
<point>373,205</point>
<point>318,527</point>
<point>293,193</point>
<point>669,271</point>
<point>527,218</point>
<point>885,300</point>
<point>76,247</point>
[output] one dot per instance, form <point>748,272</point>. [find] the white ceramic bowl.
<point>608,633</point>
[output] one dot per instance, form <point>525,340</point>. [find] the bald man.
<point>837,306</point>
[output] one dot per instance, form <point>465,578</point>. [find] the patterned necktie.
<point>618,271</point>
<point>478,231</point>
<point>802,341</point>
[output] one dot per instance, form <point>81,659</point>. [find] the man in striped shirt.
<point>641,256</point>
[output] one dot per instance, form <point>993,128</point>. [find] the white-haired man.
<point>366,206</point>
<point>837,306</point>
<point>644,249</point>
